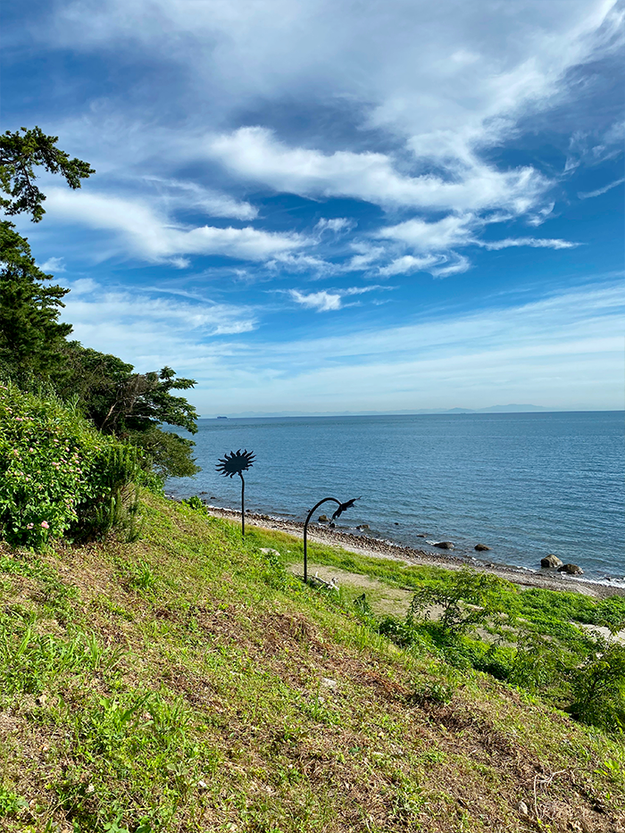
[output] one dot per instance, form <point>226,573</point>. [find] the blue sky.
<point>312,207</point>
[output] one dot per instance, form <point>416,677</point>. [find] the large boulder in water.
<point>551,560</point>
<point>481,548</point>
<point>444,545</point>
<point>571,569</point>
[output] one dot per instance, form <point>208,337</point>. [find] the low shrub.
<point>466,600</point>
<point>598,688</point>
<point>58,475</point>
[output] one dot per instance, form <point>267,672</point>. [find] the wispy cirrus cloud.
<point>143,326</point>
<point>177,194</point>
<point>561,350</point>
<point>532,242</point>
<point>586,195</point>
<point>150,234</point>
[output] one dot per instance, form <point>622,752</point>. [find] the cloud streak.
<point>155,237</point>
<point>586,195</point>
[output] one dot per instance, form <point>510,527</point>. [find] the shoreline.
<point>379,548</point>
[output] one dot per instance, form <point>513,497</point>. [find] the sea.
<point>524,484</point>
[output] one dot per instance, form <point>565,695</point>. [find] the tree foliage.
<point>132,405</point>
<point>20,153</point>
<point>33,343</point>
<point>30,333</point>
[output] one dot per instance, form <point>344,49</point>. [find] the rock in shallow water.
<point>444,545</point>
<point>481,547</point>
<point>551,560</point>
<point>571,569</point>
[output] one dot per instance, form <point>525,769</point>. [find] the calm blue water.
<point>524,484</point>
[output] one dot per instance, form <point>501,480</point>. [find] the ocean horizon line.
<point>495,410</point>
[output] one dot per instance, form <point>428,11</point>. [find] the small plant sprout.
<point>337,513</point>
<point>236,462</point>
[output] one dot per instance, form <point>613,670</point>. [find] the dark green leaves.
<point>20,153</point>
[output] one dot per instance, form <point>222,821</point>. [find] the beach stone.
<point>481,548</point>
<point>523,809</point>
<point>444,545</point>
<point>571,569</point>
<point>362,526</point>
<point>323,519</point>
<point>551,560</point>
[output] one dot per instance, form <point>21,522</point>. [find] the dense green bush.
<point>58,474</point>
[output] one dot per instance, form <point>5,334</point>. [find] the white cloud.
<point>540,216</point>
<point>336,225</point>
<point>254,153</point>
<point>367,255</point>
<point>439,84</point>
<point>422,236</point>
<point>451,75</point>
<point>53,264</point>
<point>434,243</point>
<point>407,264</point>
<point>145,233</point>
<point>315,266</point>
<point>325,301</point>
<point>457,265</point>
<point>321,301</point>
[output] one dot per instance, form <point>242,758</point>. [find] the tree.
<point>132,405</point>
<point>30,334</point>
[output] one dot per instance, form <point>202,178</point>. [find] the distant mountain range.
<point>494,409</point>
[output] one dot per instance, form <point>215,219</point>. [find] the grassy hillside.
<point>189,682</point>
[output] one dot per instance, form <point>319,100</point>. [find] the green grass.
<point>189,682</point>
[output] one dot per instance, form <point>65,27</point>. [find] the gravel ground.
<point>364,545</point>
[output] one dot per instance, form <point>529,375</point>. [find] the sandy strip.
<point>377,548</point>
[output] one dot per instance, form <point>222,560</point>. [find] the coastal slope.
<point>188,682</point>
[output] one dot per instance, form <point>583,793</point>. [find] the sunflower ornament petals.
<point>235,462</point>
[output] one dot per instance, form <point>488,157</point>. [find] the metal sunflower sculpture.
<point>236,462</point>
